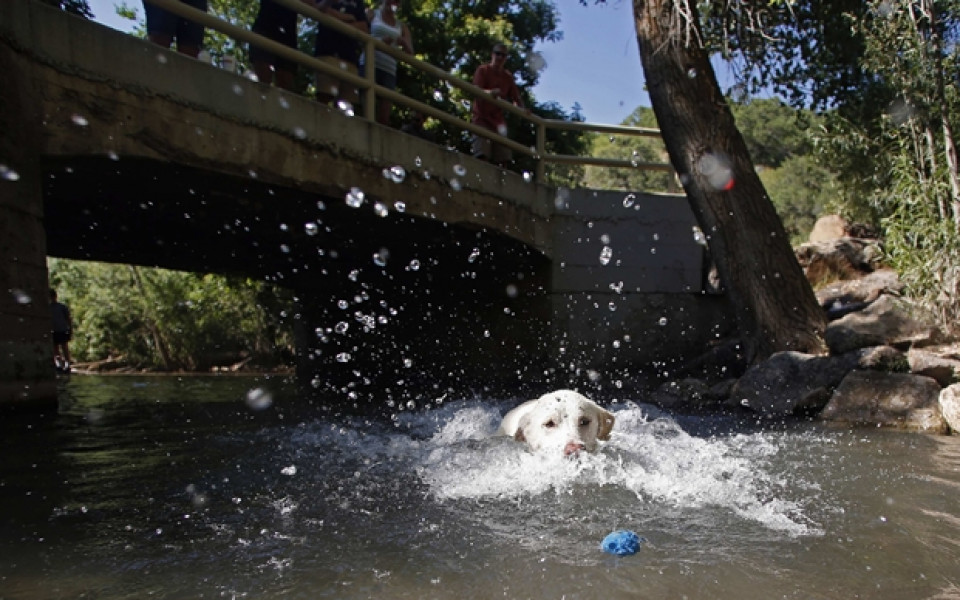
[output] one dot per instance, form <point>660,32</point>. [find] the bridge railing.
<point>371,90</point>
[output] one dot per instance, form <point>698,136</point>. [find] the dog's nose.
<point>572,448</point>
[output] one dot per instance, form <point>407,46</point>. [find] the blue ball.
<point>622,543</point>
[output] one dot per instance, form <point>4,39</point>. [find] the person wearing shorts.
<point>339,50</point>
<point>163,27</point>
<point>278,23</point>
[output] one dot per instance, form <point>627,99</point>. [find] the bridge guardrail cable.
<point>371,89</point>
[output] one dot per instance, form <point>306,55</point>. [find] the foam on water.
<point>452,451</point>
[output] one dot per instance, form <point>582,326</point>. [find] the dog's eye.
<point>584,422</point>
<point>550,424</point>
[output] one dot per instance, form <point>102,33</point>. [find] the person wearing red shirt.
<point>496,80</point>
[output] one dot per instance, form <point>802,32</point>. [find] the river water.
<point>228,487</point>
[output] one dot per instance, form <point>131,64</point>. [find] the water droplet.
<point>381,257</point>
<point>418,162</point>
<point>605,255</point>
<point>691,73</point>
<point>605,239</point>
<point>285,248</point>
<point>345,107</point>
<point>395,174</point>
<point>473,255</point>
<point>414,265</point>
<point>662,322</point>
<point>380,209</point>
<point>113,156</point>
<point>354,197</point>
<point>8,174</point>
<point>612,306</point>
<point>300,133</point>
<point>237,89</point>
<point>79,120</point>
<point>460,170</point>
<point>162,58</point>
<point>259,399</point>
<point>438,95</point>
<point>527,176</point>
<point>342,327</point>
<point>628,200</point>
<point>321,205</point>
<point>455,184</point>
<point>400,206</point>
<point>289,471</point>
<point>512,291</point>
<point>315,382</point>
<point>407,363</point>
<point>343,357</point>
<point>536,62</point>
<point>20,296</point>
<point>717,170</point>
<point>311,228</point>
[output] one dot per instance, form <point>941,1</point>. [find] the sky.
<point>596,64</point>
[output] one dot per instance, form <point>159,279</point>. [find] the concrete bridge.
<point>447,271</point>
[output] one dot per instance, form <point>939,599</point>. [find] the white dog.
<point>561,420</point>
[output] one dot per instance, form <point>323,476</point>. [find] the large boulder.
<point>949,401</point>
<point>898,400</point>
<point>794,383</point>
<point>885,321</point>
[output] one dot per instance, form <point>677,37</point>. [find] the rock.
<point>883,358</point>
<point>688,393</point>
<point>828,227</point>
<point>949,401</point>
<point>790,383</point>
<point>883,322</point>
<point>945,370</point>
<point>842,297</point>
<point>902,401</point>
<point>793,383</point>
<point>838,259</point>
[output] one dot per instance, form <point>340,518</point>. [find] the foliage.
<point>170,319</point>
<point>634,148</point>
<point>801,190</point>
<point>77,7</point>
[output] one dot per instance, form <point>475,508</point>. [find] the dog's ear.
<point>606,424</point>
<point>521,426</point>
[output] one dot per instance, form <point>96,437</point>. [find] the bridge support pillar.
<point>27,378</point>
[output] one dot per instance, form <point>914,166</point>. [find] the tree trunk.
<point>775,305</point>
<point>151,323</point>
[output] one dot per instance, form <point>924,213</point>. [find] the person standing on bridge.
<point>163,27</point>
<point>496,80</point>
<point>278,23</point>
<point>386,27</point>
<point>339,50</point>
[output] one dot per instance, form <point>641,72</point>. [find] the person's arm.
<point>406,40</point>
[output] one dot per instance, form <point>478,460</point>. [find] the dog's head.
<point>566,421</point>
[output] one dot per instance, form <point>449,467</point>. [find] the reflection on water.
<point>182,488</point>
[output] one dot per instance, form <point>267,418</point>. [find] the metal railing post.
<point>370,73</point>
<point>541,151</point>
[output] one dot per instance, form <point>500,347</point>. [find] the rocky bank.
<point>886,367</point>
